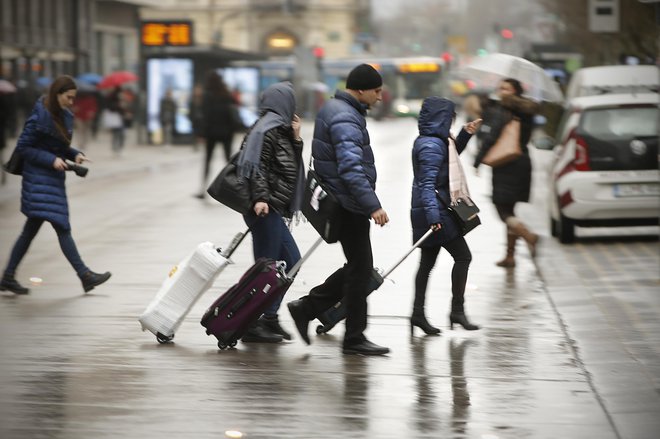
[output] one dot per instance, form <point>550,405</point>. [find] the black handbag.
<point>15,163</point>
<point>231,189</point>
<point>465,215</point>
<point>321,208</point>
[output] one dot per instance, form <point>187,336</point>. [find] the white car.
<point>593,81</point>
<point>605,165</point>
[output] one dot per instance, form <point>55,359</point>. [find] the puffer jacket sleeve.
<point>259,183</point>
<point>27,145</point>
<point>430,157</point>
<point>462,140</point>
<point>346,134</point>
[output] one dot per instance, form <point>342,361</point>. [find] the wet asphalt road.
<point>569,350</point>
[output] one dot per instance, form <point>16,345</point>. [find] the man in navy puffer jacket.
<point>343,159</point>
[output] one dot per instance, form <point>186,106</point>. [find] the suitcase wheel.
<point>164,338</point>
<point>224,346</point>
<point>320,329</point>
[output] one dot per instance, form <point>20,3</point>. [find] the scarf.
<point>458,188</point>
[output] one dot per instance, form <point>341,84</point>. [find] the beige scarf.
<point>458,188</point>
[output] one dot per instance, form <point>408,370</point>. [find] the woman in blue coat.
<point>44,145</point>
<point>430,198</point>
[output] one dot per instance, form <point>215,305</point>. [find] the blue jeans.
<point>32,226</point>
<point>271,239</point>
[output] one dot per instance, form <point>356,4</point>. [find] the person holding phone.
<point>44,145</point>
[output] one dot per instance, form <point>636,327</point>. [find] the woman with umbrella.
<point>512,180</point>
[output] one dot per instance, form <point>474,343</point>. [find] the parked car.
<point>593,81</point>
<point>605,166</point>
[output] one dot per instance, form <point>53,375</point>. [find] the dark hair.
<point>216,86</point>
<point>60,85</point>
<point>517,86</point>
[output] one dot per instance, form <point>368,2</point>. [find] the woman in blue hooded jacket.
<point>430,198</point>
<point>44,145</point>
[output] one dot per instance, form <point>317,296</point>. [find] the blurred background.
<point>421,47</point>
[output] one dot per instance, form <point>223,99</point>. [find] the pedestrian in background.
<point>511,181</point>
<point>271,159</point>
<point>113,119</point>
<point>344,161</point>
<point>218,116</point>
<point>44,145</point>
<point>196,115</point>
<point>167,116</point>
<point>431,160</point>
<point>84,110</point>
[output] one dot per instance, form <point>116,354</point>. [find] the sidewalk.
<point>134,158</point>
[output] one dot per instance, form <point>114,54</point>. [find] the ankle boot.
<point>90,279</point>
<point>509,260</point>
<point>420,321</point>
<point>272,324</point>
<point>8,283</point>
<point>461,319</point>
<point>519,229</point>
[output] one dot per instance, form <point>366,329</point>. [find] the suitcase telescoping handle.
<point>294,270</point>
<point>403,258</point>
<point>233,245</point>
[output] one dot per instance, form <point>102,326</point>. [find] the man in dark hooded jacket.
<point>344,161</point>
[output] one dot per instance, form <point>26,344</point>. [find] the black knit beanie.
<point>363,77</point>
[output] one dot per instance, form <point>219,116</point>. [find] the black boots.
<point>8,283</point>
<point>420,321</point>
<point>272,324</point>
<point>460,319</point>
<point>299,318</point>
<point>90,279</point>
<point>259,334</point>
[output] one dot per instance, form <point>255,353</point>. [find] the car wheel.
<point>566,230</point>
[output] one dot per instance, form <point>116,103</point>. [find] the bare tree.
<point>638,35</point>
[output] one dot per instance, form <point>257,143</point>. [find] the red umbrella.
<point>116,79</point>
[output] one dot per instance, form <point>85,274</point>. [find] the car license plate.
<point>637,190</point>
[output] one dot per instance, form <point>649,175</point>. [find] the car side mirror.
<point>545,143</point>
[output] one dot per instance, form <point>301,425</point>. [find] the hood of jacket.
<point>44,120</point>
<point>280,99</point>
<point>435,117</point>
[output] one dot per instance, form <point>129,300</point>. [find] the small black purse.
<point>15,164</point>
<point>231,189</point>
<point>465,214</point>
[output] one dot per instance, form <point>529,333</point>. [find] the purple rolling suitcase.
<point>230,316</point>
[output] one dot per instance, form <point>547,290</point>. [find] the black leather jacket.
<point>278,170</point>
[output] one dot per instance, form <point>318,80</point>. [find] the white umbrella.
<point>488,70</point>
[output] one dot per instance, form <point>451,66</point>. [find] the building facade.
<point>337,28</point>
<point>46,38</point>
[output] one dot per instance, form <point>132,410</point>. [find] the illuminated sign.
<point>166,33</point>
<point>422,67</point>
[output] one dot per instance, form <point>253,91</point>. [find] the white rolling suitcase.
<point>183,287</point>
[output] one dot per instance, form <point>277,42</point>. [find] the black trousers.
<point>459,250</point>
<point>210,146</point>
<point>349,282</point>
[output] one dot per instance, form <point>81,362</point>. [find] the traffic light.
<point>507,34</point>
<point>447,57</point>
<point>318,52</point>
